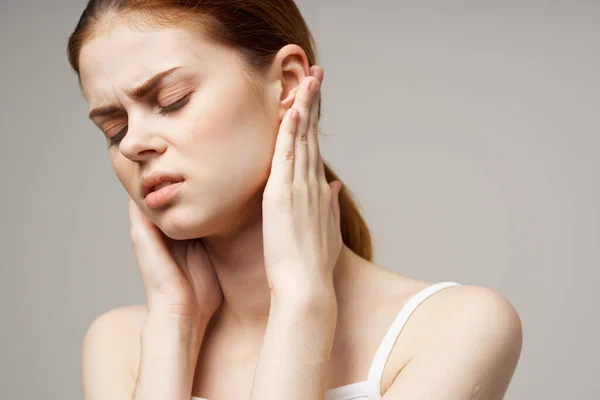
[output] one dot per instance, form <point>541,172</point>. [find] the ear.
<point>288,69</point>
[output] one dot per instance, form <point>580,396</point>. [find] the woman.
<point>256,264</point>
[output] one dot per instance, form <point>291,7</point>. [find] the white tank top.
<point>370,389</point>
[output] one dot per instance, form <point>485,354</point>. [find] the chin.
<point>182,223</point>
<point>215,216</point>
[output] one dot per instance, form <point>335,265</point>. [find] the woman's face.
<point>202,122</point>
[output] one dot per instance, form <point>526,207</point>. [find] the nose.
<point>142,142</point>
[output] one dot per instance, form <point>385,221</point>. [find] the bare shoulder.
<point>465,311</point>
<point>110,352</point>
<point>472,334</point>
<point>456,309</point>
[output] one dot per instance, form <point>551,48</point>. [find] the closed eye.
<point>116,139</point>
<point>174,106</point>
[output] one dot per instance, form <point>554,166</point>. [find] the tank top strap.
<point>389,340</point>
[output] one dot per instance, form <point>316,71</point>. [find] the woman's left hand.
<point>301,215</point>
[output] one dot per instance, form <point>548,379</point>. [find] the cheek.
<point>233,161</point>
<point>238,152</point>
<point>230,141</point>
<point>235,136</point>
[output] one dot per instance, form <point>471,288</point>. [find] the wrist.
<point>305,291</point>
<point>189,331</point>
<point>306,322</point>
<point>317,301</point>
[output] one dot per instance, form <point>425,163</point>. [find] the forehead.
<point>123,58</point>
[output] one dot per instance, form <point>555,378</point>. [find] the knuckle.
<point>325,188</point>
<point>305,103</point>
<point>326,191</point>
<point>289,155</point>
<point>300,187</point>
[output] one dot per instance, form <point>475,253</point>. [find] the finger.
<point>304,100</point>
<point>313,140</point>
<point>152,255</point>
<point>137,219</point>
<point>282,165</point>
<point>321,170</point>
<point>317,72</point>
<point>335,202</point>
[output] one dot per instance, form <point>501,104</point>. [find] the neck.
<point>239,264</point>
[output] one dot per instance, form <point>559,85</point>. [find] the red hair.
<point>257,29</point>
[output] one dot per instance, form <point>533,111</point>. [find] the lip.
<point>162,196</point>
<point>156,178</point>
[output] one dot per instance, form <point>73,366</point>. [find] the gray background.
<point>468,131</point>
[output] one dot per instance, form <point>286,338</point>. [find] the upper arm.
<point>471,356</point>
<point>110,354</point>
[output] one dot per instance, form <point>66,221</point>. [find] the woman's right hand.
<point>178,275</point>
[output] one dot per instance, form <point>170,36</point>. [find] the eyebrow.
<point>136,93</point>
